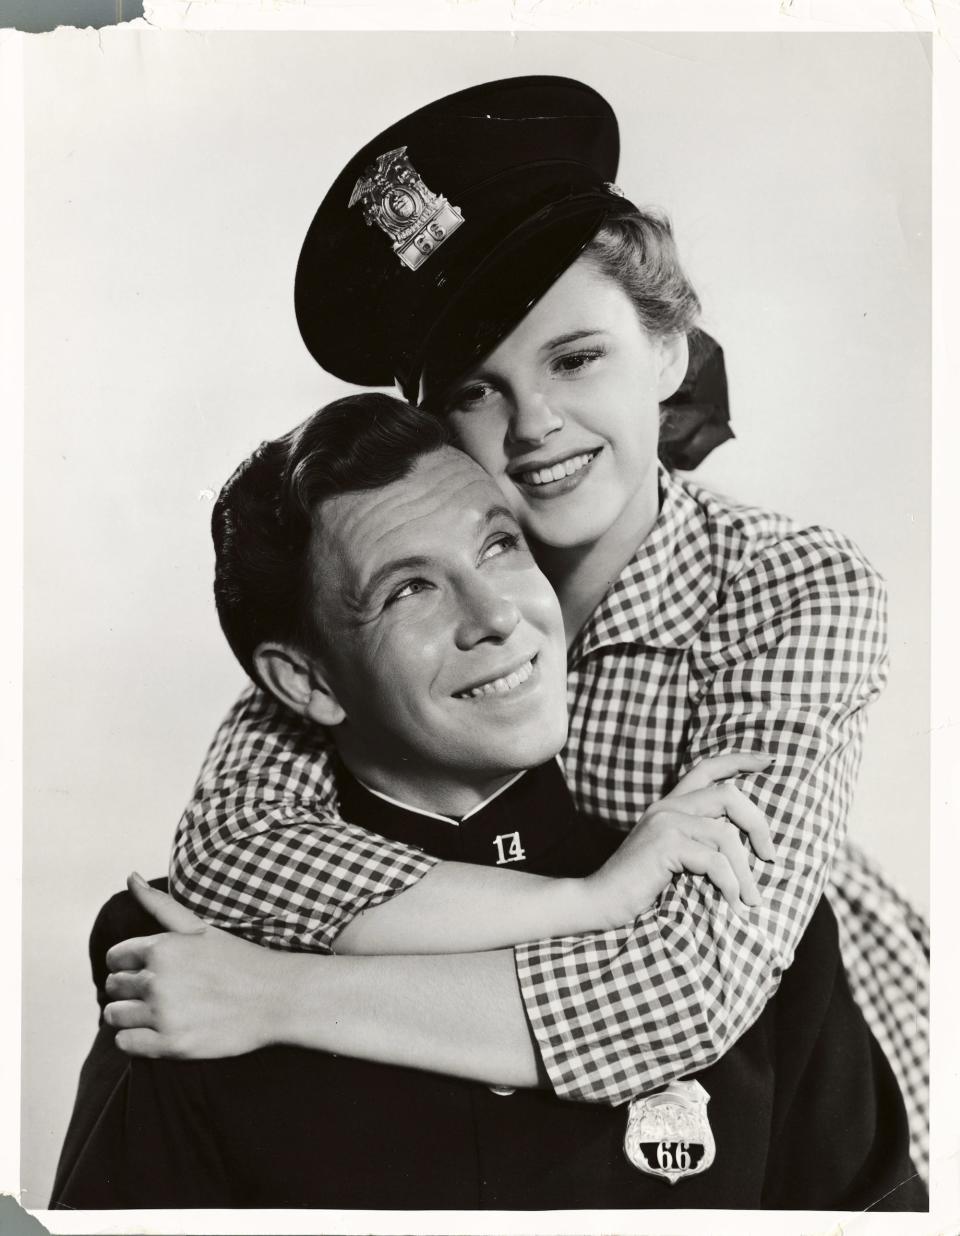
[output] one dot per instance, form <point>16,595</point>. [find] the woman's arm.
<point>205,993</point>
<point>460,908</point>
<point>463,908</point>
<point>797,654</point>
<point>261,851</point>
<point>199,992</point>
<point>788,664</point>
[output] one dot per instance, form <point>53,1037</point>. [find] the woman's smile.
<point>552,478</point>
<point>565,414</point>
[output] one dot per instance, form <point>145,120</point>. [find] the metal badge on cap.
<point>400,204</point>
<point>668,1133</point>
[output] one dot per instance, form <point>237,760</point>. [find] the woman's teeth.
<point>543,476</point>
<point>500,686</point>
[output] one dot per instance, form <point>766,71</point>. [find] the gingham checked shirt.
<point>731,629</point>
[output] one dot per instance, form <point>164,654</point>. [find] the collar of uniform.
<point>436,815</point>
<point>668,587</point>
<point>539,797</point>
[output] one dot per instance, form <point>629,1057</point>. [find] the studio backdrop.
<point>170,180</point>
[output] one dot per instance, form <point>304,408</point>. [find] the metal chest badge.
<point>400,204</point>
<point>668,1133</point>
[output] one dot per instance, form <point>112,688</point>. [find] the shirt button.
<point>502,1089</point>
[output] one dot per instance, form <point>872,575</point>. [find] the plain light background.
<point>170,180</point>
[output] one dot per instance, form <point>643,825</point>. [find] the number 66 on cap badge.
<point>668,1133</point>
<point>396,200</point>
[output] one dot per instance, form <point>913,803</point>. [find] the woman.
<point>504,281</point>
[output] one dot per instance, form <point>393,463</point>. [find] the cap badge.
<point>668,1133</point>
<point>400,204</point>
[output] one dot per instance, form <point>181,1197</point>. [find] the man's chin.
<point>521,751</point>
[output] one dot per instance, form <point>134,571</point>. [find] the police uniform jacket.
<point>804,1110</point>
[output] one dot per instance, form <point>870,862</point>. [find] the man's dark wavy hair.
<point>264,518</point>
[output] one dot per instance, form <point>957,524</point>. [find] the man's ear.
<point>299,682</point>
<point>674,356</point>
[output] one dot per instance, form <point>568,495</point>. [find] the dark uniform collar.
<point>456,821</point>
<point>519,826</point>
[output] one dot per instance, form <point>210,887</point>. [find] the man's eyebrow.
<point>498,511</point>
<point>361,600</point>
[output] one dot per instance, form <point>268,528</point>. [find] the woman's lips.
<point>552,480</point>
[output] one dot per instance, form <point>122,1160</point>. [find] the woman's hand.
<point>199,992</point>
<point>697,827</point>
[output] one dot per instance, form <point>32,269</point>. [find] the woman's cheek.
<point>540,604</point>
<point>481,435</point>
<point>513,498</point>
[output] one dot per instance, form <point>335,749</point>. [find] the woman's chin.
<point>566,529</point>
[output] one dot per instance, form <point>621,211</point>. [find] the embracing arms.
<point>787,663</point>
<point>459,907</point>
<point>201,992</point>
<point>262,851</point>
<point>617,1013</point>
<point>171,993</point>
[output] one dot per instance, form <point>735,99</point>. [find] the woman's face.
<point>564,413</point>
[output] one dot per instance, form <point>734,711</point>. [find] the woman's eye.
<point>573,362</point>
<point>470,397</point>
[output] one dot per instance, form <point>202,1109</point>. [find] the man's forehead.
<point>445,492</point>
<point>448,466</point>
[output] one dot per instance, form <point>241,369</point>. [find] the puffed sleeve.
<point>786,665</point>
<point>261,849</point>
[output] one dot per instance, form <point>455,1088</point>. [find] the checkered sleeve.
<point>885,945</point>
<point>785,665</point>
<point>261,849</point>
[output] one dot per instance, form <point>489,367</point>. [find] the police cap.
<point>439,235</point>
<point>443,230</point>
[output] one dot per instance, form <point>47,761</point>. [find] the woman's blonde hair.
<point>637,251</point>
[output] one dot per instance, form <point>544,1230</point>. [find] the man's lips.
<point>501,684</point>
<point>552,472</point>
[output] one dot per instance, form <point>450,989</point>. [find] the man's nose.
<point>533,418</point>
<point>485,614</point>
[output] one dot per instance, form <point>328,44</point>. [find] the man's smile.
<point>501,685</point>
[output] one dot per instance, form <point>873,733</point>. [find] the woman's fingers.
<point>727,800</point>
<point>716,768</point>
<point>169,913</point>
<point>722,836</point>
<point>139,1042</point>
<point>748,817</point>
<point>702,860</point>
<point>130,954</point>
<point>128,1015</point>
<point>126,985</point>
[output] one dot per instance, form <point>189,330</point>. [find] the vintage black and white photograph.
<point>477,604</point>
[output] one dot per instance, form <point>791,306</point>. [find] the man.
<point>370,578</point>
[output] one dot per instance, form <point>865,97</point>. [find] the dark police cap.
<point>442,231</point>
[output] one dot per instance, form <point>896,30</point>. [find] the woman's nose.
<point>533,419</point>
<point>485,614</point>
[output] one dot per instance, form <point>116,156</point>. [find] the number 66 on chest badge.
<point>668,1133</point>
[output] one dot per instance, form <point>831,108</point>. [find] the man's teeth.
<point>543,476</point>
<point>500,686</point>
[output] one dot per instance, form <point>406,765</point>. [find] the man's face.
<point>443,642</point>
